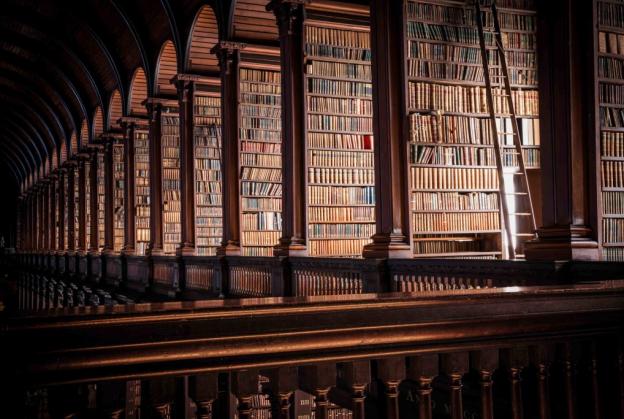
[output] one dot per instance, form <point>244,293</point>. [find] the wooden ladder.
<point>515,196</point>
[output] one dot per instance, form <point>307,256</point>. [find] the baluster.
<point>244,385</point>
<point>514,360</point>
<point>110,399</point>
<point>422,370</point>
<point>391,371</point>
<point>485,362</point>
<point>353,377</point>
<point>318,379</point>
<point>282,385</point>
<point>158,395</point>
<point>589,406</point>
<point>203,390</point>
<point>455,366</point>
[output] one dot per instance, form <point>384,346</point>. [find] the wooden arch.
<point>251,21</point>
<point>84,132</point>
<point>98,122</point>
<point>138,93</point>
<point>73,144</point>
<point>115,110</point>
<point>204,35</point>
<point>166,69</point>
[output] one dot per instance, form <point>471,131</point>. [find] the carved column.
<point>290,17</point>
<point>129,190</point>
<point>52,212</point>
<point>455,365</point>
<point>62,209</point>
<point>154,110</point>
<point>203,390</point>
<point>356,375</point>
<point>108,196</point>
<point>244,385</point>
<point>283,383</point>
<point>229,61</point>
<point>93,204</point>
<point>186,92</point>
<point>71,208</point>
<point>39,194</point>
<point>82,207</point>
<point>567,132</point>
<point>318,380</point>
<point>392,237</point>
<point>391,372</point>
<point>422,370</point>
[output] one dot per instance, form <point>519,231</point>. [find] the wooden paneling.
<point>252,21</point>
<point>204,36</point>
<point>84,133</point>
<point>98,122</point>
<point>114,110</point>
<point>73,144</point>
<point>138,93</point>
<point>165,70</point>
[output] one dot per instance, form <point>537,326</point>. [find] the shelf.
<point>453,82</point>
<point>424,233</point>
<point>464,44</point>
<point>466,211</point>
<point>456,254</point>
<point>482,115</point>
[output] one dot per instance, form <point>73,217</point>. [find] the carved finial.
<point>288,13</point>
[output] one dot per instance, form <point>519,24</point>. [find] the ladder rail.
<point>512,111</point>
<point>494,130</point>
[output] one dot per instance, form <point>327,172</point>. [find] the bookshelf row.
<point>89,218</point>
<point>170,153</point>
<point>610,92</point>
<point>118,197</point>
<point>141,191</point>
<point>101,198</point>
<point>76,207</point>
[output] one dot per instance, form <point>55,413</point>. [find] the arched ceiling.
<point>61,62</point>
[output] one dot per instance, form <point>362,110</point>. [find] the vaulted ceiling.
<point>67,63</point>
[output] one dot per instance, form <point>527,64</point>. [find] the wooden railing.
<point>514,352</point>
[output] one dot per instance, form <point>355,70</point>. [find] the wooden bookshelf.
<point>57,221</point>
<point>455,192</point>
<point>76,214</point>
<point>141,191</point>
<point>170,152</point>
<point>101,199</point>
<point>339,139</point>
<point>207,173</point>
<point>260,161</point>
<point>88,218</point>
<point>118,196</point>
<point>610,73</point>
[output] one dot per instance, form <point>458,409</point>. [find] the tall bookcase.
<point>260,160</point>
<point>76,207</point>
<point>454,187</point>
<point>141,191</point>
<point>170,146</point>
<point>339,139</point>
<point>611,119</point>
<point>208,175</point>
<point>118,196</point>
<point>88,218</point>
<point>101,199</point>
<point>65,216</point>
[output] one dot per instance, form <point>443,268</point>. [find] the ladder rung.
<point>505,133</point>
<point>516,193</point>
<point>499,95</point>
<point>523,234</point>
<point>520,214</point>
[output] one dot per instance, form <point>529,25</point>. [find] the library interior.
<point>254,209</point>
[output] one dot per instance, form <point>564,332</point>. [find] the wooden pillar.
<point>244,386</point>
<point>567,132</point>
<point>318,380</point>
<point>485,362</point>
<point>129,190</point>
<point>283,383</point>
<point>71,208</point>
<point>290,17</point>
<point>82,207</point>
<point>154,110</point>
<point>356,376</point>
<point>186,94</point>
<point>455,365</point>
<point>391,371</point>
<point>62,209</point>
<point>229,62</point>
<point>513,361</point>
<point>422,370</point>
<point>157,397</point>
<point>52,212</point>
<point>93,204</point>
<point>108,196</point>
<point>39,197</point>
<point>392,236</point>
<point>203,390</point>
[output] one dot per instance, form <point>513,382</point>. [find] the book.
<point>142,191</point>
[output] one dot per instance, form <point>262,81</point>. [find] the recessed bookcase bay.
<point>260,160</point>
<point>101,199</point>
<point>118,195</point>
<point>339,138</point>
<point>208,174</point>
<point>610,85</point>
<point>455,192</point>
<point>76,214</point>
<point>88,216</point>
<point>141,190</point>
<point>170,153</point>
